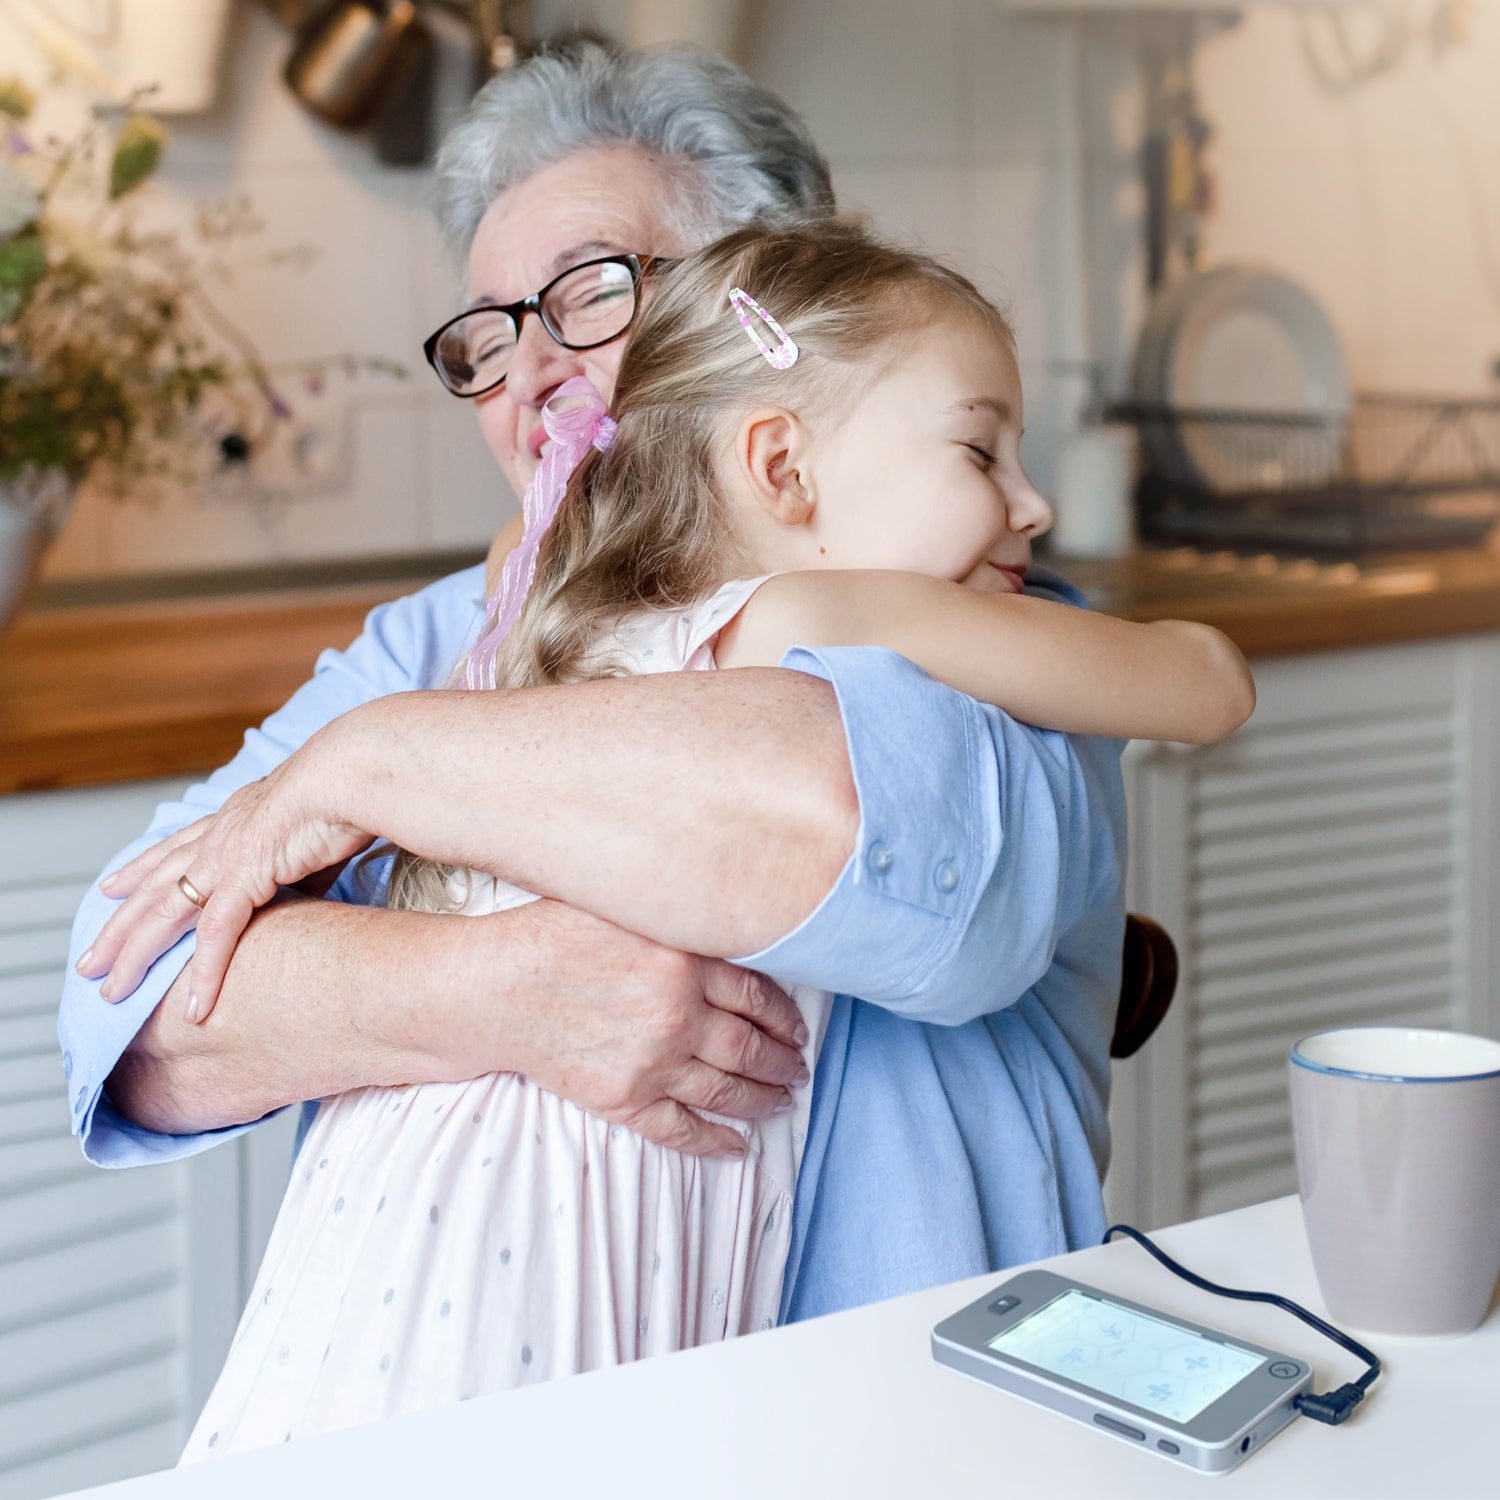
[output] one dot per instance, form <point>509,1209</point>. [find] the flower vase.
<point>31,514</point>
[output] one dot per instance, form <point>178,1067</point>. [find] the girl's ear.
<point>771,450</point>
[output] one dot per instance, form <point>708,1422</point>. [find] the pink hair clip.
<point>781,356</point>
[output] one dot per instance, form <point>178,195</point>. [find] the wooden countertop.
<point>139,691</point>
<point>131,692</point>
<point>1278,607</point>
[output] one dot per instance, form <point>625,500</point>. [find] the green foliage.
<point>23,263</point>
<point>109,342</point>
<point>16,100</point>
<point>138,149</point>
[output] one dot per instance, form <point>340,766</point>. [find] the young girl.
<point>817,443</point>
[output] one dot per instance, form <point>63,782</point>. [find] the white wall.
<point>954,124</point>
<point>1378,198</point>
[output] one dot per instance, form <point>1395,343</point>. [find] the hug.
<point>710,915</point>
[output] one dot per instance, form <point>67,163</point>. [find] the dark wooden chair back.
<point>1147,984</point>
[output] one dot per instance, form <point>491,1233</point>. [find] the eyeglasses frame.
<point>639,266</point>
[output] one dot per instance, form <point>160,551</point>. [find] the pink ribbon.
<point>574,418</point>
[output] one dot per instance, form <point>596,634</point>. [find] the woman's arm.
<point>549,787</point>
<point>1046,664</point>
<point>628,1030</point>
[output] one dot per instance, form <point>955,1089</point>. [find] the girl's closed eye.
<point>987,460</point>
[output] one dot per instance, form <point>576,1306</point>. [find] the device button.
<point>1004,1304</point>
<point>1284,1370</point>
<point>1120,1427</point>
<point>1167,1447</point>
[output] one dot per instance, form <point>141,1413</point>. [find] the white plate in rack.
<point>1244,340</point>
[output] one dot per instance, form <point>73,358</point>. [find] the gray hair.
<point>739,153</point>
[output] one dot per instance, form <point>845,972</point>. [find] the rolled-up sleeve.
<point>963,873</point>
<point>409,643</point>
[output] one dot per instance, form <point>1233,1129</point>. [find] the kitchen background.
<point>1334,861</point>
<point>1007,142</point>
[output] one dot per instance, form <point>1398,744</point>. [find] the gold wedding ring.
<point>192,892</point>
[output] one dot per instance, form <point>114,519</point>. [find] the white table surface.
<point>854,1405</point>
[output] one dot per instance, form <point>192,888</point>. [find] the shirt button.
<point>881,857</point>
<point>945,877</point>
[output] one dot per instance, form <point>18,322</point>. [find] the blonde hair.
<point>647,525</point>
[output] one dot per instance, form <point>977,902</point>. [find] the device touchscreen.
<point>1165,1369</point>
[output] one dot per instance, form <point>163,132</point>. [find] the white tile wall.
<point>1380,197</point>
<point>1007,144</point>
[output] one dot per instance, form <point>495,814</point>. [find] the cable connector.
<point>1332,1407</point>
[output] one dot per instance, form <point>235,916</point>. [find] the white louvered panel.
<point>29,1077</point>
<point>1341,974</point>
<point>1359,804</point>
<point>1251,1183</point>
<point>31,1164</point>
<point>1379,1003</point>
<point>49,905</point>
<point>34,1119</point>
<point>1326,869</point>
<point>117,1288</point>
<point>20,992</point>
<point>1373,866</point>
<point>93,1341</point>
<point>1299,956</point>
<point>46,1424</point>
<point>94,1458</point>
<point>29,1031</point>
<point>53,1285</point>
<point>1406,826</point>
<point>29,950</point>
<point>59,1214</point>
<point>1297,739</point>
<point>1307,753</point>
<point>1315,907</point>
<point>1290,789</point>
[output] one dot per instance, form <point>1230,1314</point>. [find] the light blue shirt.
<point>959,1110</point>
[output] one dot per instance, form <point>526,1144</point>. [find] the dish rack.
<point>1394,473</point>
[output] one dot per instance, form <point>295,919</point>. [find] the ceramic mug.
<point>1397,1134</point>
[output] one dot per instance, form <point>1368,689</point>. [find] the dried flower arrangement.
<point>109,340</point>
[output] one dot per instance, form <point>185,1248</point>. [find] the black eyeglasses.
<point>586,307</point>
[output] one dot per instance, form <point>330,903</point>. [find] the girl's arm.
<point>1046,664</point>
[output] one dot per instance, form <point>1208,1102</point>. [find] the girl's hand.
<point>268,834</point>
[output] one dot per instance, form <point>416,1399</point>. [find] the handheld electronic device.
<point>1182,1391</point>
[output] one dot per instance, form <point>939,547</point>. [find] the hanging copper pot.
<point>346,55</point>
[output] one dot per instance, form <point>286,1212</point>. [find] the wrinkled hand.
<point>637,1033</point>
<point>268,834</point>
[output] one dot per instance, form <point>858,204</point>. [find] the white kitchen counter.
<point>854,1405</point>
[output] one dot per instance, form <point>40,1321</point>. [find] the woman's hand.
<point>270,833</point>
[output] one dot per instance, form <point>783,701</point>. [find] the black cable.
<point>1331,1406</point>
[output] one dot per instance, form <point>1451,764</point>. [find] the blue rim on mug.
<point>1313,1066</point>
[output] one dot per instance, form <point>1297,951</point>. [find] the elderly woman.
<point>957,870</point>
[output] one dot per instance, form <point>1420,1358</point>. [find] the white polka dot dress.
<point>449,1240</point>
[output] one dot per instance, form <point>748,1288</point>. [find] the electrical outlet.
<point>306,452</point>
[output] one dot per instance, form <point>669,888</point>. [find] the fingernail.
<point>83,962</point>
<point>802,1077</point>
<point>735,1152</point>
<point>192,1009</point>
<point>801,1034</point>
<point>109,880</point>
<point>786,1104</point>
<point>107,990</point>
